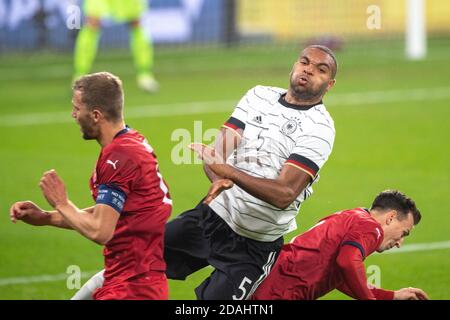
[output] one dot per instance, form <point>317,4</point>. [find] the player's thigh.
<point>96,8</point>
<point>128,10</point>
<point>238,282</point>
<point>185,232</point>
<point>153,287</point>
<point>217,286</point>
<point>185,248</point>
<point>243,264</point>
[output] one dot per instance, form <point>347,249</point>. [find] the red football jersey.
<point>127,178</point>
<point>307,268</point>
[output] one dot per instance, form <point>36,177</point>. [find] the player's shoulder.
<point>361,218</point>
<point>266,92</point>
<point>358,213</point>
<point>126,145</point>
<point>320,117</point>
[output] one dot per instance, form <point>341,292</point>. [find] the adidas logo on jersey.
<point>258,119</point>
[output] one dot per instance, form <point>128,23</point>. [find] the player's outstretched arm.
<point>98,226</point>
<point>32,214</point>
<point>380,294</point>
<point>410,294</point>
<point>351,264</point>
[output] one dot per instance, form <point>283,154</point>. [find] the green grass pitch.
<point>394,133</point>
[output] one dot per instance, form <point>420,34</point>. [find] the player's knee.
<point>134,24</point>
<point>217,287</point>
<point>93,23</point>
<point>176,271</point>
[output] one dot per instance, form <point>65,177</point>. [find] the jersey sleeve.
<point>382,294</point>
<point>239,116</point>
<point>116,176</point>
<point>353,272</point>
<point>312,150</point>
<point>364,235</point>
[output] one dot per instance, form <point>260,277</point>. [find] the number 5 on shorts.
<point>242,288</point>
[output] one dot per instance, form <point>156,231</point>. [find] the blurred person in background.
<point>128,11</point>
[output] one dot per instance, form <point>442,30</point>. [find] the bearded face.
<point>311,75</point>
<point>84,117</point>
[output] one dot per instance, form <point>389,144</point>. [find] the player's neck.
<point>109,131</point>
<point>293,99</point>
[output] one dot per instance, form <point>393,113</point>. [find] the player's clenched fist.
<point>28,212</point>
<point>53,189</point>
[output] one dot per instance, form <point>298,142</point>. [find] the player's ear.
<point>331,84</point>
<point>97,115</point>
<point>391,214</point>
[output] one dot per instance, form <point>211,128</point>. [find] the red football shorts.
<point>152,287</point>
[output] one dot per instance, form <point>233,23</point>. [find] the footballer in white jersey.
<point>275,133</point>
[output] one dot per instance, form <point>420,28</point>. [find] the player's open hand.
<point>206,153</point>
<point>214,161</point>
<point>410,294</point>
<point>216,188</point>
<point>27,212</point>
<point>53,189</point>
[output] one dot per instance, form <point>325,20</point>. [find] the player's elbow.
<point>281,204</point>
<point>101,237</point>
<point>343,262</point>
<point>284,200</point>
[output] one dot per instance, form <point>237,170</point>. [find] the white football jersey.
<point>275,133</point>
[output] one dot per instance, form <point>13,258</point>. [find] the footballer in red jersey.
<point>127,178</point>
<point>132,202</point>
<point>330,255</point>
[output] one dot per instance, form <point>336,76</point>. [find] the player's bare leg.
<point>142,50</point>
<point>86,47</point>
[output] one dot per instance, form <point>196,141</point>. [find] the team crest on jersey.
<point>289,127</point>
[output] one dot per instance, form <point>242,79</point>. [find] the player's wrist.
<point>229,172</point>
<point>62,206</point>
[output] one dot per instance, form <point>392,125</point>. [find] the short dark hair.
<point>396,200</point>
<point>104,91</point>
<point>330,53</point>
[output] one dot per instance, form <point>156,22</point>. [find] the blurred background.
<point>390,106</point>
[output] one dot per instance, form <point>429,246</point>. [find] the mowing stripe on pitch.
<point>41,278</point>
<point>420,247</point>
<point>204,107</point>
<point>63,276</point>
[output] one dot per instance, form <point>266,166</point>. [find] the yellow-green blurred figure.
<point>128,11</point>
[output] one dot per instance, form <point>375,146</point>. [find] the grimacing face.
<point>83,117</point>
<point>312,74</point>
<point>395,231</point>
